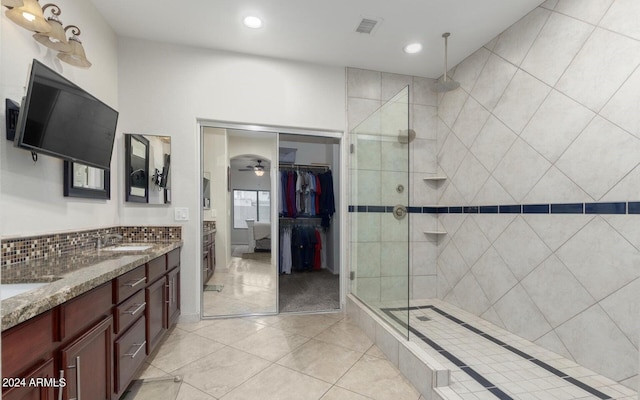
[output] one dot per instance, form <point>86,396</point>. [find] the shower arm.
<point>446,53</point>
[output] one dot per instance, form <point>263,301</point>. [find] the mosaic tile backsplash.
<point>15,250</point>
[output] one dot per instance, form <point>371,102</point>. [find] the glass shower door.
<point>379,222</point>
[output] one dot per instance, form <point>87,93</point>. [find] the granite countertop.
<point>69,276</point>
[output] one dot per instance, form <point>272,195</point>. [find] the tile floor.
<point>249,288</point>
<point>533,374</point>
<point>297,357</point>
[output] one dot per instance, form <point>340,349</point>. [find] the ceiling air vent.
<point>367,25</point>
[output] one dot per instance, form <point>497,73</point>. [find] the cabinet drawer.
<point>127,312</point>
<point>156,268</point>
<point>130,353</point>
<point>173,259</point>
<point>79,313</point>
<point>129,283</point>
<point>24,344</point>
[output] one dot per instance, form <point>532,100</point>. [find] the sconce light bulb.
<point>28,16</point>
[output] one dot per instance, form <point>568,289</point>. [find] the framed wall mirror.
<point>86,182</point>
<point>147,166</point>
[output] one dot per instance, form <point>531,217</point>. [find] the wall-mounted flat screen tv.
<point>59,119</point>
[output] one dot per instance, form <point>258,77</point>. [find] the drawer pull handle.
<point>135,353</point>
<point>136,283</point>
<point>138,308</point>
<point>77,368</point>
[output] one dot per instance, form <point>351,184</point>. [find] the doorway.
<point>309,223</point>
<point>241,166</point>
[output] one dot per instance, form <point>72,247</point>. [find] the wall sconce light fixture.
<point>56,38</point>
<point>76,56</point>
<point>12,3</point>
<point>29,16</point>
<point>49,32</point>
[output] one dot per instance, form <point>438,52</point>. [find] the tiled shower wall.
<point>381,258</point>
<point>548,112</point>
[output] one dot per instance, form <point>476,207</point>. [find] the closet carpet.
<point>309,291</point>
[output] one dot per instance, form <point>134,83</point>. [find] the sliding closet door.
<point>239,264</point>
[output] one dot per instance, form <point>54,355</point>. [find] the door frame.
<point>341,204</point>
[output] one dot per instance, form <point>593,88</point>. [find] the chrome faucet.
<point>102,240</point>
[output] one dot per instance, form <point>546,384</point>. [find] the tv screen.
<point>59,119</point>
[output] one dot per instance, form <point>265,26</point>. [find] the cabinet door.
<point>35,392</point>
<point>173,302</point>
<point>155,313</point>
<point>213,255</point>
<point>88,364</point>
<point>205,265</point>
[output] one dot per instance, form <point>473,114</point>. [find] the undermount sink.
<point>13,289</point>
<point>129,247</point>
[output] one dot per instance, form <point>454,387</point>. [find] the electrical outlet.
<point>181,214</point>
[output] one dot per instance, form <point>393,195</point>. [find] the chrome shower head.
<point>444,84</point>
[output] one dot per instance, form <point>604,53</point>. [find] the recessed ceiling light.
<point>252,22</point>
<point>412,48</point>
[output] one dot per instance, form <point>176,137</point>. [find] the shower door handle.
<point>399,211</point>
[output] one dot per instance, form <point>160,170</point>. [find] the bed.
<point>259,235</point>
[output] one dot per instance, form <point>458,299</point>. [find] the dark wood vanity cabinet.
<point>156,317</point>
<point>163,299</point>
<point>208,256</point>
<point>44,370</point>
<point>88,364</point>
<point>173,295</point>
<point>98,340</point>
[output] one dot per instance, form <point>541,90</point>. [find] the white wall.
<point>31,193</point>
<point>165,89</point>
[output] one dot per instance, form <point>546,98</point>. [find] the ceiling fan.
<point>258,169</point>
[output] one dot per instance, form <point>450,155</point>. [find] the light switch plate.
<point>181,214</point>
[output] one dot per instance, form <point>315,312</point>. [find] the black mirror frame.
<point>87,193</point>
<point>128,196</point>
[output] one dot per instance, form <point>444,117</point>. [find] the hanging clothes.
<point>301,249</point>
<point>317,260</point>
<point>327,202</point>
<point>307,194</point>
<point>285,251</point>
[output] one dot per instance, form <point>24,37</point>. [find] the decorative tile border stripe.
<point>20,249</point>
<point>449,356</point>
<point>631,207</point>
<point>468,370</point>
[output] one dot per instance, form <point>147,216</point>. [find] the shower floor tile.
<point>487,362</point>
